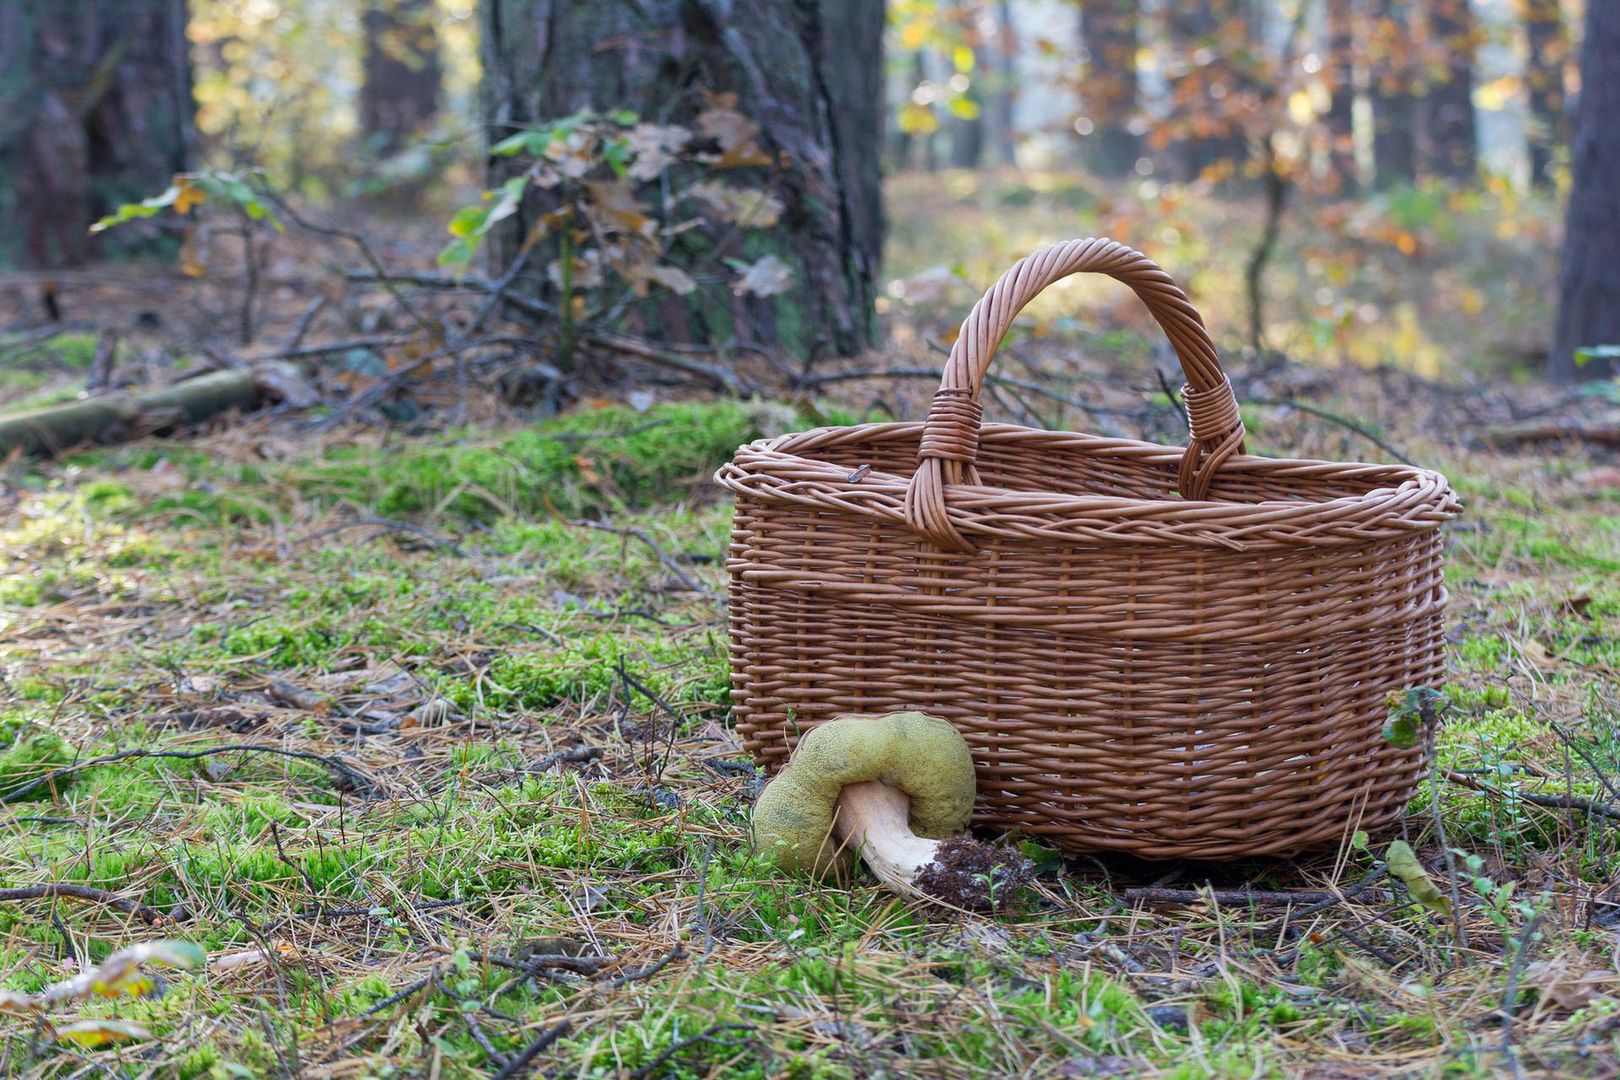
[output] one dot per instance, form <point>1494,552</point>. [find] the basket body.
<point>1201,696</point>
<point>1175,653</point>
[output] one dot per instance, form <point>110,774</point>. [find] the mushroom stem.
<point>875,820</point>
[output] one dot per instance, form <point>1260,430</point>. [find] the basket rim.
<point>1407,500</point>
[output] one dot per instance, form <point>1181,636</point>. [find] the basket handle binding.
<point>950,440</point>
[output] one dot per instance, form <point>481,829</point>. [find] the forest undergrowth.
<point>421,732</point>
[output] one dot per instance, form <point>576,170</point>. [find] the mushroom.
<point>897,789</point>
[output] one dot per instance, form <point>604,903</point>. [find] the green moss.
<point>576,464</point>
<point>32,754</point>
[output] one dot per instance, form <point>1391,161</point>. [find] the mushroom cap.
<point>922,755</point>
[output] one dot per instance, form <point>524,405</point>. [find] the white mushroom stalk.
<point>874,819</point>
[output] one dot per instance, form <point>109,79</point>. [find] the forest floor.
<point>423,736</point>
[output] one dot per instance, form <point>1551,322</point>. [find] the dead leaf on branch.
<point>749,207</point>
<point>767,277</point>
<point>673,278</point>
<point>655,147</point>
<point>732,131</point>
<point>613,203</point>
<point>587,270</point>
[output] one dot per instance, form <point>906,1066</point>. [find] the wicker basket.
<point>1172,653</point>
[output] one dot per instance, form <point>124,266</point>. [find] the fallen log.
<point>1603,430</point>
<point>120,416</point>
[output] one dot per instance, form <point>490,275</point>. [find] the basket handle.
<point>950,440</point>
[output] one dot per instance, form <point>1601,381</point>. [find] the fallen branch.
<point>1251,897</point>
<point>149,915</point>
<point>356,779</point>
<point>811,382</point>
<point>1333,418</point>
<point>1534,798</point>
<point>1604,431</point>
<point>720,376</point>
<point>118,416</point>
<point>518,1064</point>
<point>723,378</point>
<point>386,525</point>
<point>652,545</point>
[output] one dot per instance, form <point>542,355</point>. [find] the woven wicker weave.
<point>1167,652</point>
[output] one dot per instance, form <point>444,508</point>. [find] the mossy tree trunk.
<point>1589,287</point>
<point>95,111</point>
<point>809,72</point>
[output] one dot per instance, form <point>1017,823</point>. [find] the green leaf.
<point>458,253</point>
<point>1403,863</point>
<point>616,152</point>
<point>1045,859</point>
<point>626,117</point>
<point>512,145</point>
<point>144,209</point>
<point>1587,354</point>
<point>1401,729</point>
<point>468,221</point>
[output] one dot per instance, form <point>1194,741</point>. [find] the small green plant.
<point>244,198</point>
<point>588,171</point>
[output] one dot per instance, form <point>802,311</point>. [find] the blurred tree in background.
<point>1587,342</point>
<point>95,110</point>
<point>399,97</point>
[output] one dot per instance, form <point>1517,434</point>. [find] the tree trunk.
<point>1544,75</point>
<point>95,111</point>
<point>1341,104</point>
<point>1392,75</point>
<point>968,132</point>
<point>1109,97</point>
<point>1589,286</point>
<point>808,73</point>
<point>1004,94</point>
<point>400,93</point>
<point>1451,141</point>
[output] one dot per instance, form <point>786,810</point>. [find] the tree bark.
<point>1544,75</point>
<point>95,111</point>
<point>1589,285</point>
<point>399,96</point>
<point>1451,140</point>
<point>808,73</point>
<point>1341,104</point>
<point>1108,29</point>
<point>1392,78</point>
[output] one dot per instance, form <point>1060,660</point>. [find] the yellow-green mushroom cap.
<point>921,755</point>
